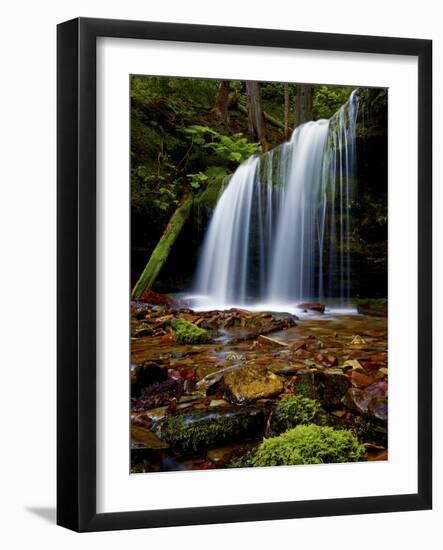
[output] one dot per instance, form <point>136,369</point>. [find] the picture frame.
<point>77,274</point>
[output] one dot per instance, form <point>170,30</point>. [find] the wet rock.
<point>154,298</point>
<point>265,342</point>
<point>331,387</point>
<point>286,368</point>
<point>378,389</point>
<point>373,333</point>
<point>378,409</point>
<point>209,324</point>
<point>304,384</point>
<point>373,310</point>
<point>376,452</point>
<point>371,366</point>
<point>140,311</point>
<point>298,344</point>
<point>152,415</point>
<point>223,455</point>
<point>358,340</point>
<point>251,382</point>
<point>232,356</point>
<point>325,386</point>
<point>370,429</point>
<point>378,358</point>
<point>312,306</point>
<point>358,400</point>
<point>326,359</point>
<point>213,377</point>
<point>157,394</point>
<point>367,404</point>
<point>352,364</point>
<point>143,331</point>
<point>146,374</point>
<point>197,430</point>
<point>143,439</point>
<point>218,403</point>
<point>231,321</point>
<point>361,380</point>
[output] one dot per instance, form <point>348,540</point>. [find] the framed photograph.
<point>244,274</point>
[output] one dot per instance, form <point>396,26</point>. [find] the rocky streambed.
<point>208,389</point>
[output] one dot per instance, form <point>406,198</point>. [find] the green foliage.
<point>197,180</point>
<point>217,176</point>
<point>291,411</point>
<point>328,99</point>
<point>188,333</point>
<point>235,148</point>
<point>309,444</point>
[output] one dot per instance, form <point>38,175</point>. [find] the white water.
<point>280,232</point>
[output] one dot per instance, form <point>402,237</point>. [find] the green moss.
<point>202,429</point>
<point>304,385</point>
<point>305,445</point>
<point>188,333</point>
<point>291,411</point>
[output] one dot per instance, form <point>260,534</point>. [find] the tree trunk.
<point>163,248</point>
<point>308,103</point>
<point>221,101</point>
<point>256,122</point>
<point>303,105</point>
<point>298,106</point>
<point>286,129</point>
<point>268,118</point>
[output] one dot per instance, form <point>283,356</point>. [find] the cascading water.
<point>281,230</point>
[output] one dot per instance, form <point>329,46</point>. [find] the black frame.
<point>76,297</point>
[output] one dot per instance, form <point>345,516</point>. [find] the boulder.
<point>143,439</point>
<point>367,404</point>
<point>265,342</point>
<point>146,374</point>
<point>156,299</point>
<point>312,306</point>
<point>251,382</point>
<point>373,310</point>
<point>328,387</point>
<point>201,429</point>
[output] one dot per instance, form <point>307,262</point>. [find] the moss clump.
<point>305,445</point>
<point>202,429</point>
<point>291,411</point>
<point>188,333</point>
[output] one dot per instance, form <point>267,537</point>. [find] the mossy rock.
<point>296,409</point>
<point>188,333</point>
<point>305,444</point>
<point>202,429</point>
<point>326,387</point>
<point>291,411</point>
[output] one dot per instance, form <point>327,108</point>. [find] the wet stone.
<point>200,429</point>
<point>144,439</point>
<point>249,383</point>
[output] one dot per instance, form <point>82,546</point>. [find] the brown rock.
<point>361,380</point>
<point>141,438</point>
<point>265,342</point>
<point>358,400</point>
<point>154,298</point>
<point>327,360</point>
<point>298,344</point>
<point>312,306</point>
<point>249,383</point>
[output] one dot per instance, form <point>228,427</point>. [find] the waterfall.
<point>281,229</point>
